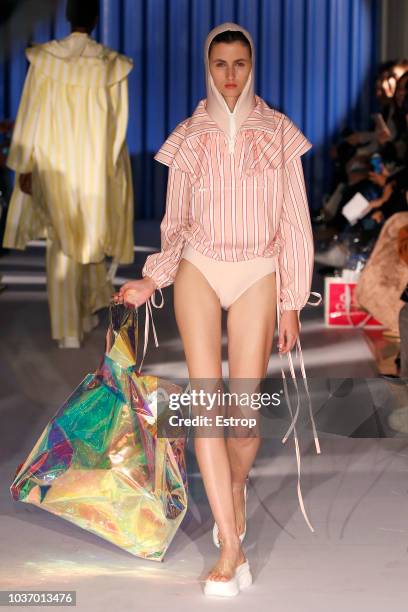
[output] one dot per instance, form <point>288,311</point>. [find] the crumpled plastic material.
<point>100,462</point>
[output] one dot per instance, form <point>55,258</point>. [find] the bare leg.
<point>251,325</point>
<point>198,316</point>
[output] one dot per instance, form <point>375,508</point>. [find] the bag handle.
<point>149,313</point>
<point>131,319</point>
<point>123,321</point>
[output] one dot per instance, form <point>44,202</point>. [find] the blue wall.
<point>315,62</point>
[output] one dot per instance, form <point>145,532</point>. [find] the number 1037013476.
<point>33,598</point>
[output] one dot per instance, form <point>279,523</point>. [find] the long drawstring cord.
<point>294,416</point>
<point>149,315</point>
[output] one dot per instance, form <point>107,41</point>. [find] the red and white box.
<point>341,308</point>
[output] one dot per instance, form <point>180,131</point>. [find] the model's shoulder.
<point>172,144</point>
<point>196,121</point>
<point>273,119</point>
<point>181,128</point>
<point>276,135</point>
<point>193,124</point>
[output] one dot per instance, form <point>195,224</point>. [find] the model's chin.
<point>231,91</point>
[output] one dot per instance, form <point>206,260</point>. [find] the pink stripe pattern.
<point>237,203</point>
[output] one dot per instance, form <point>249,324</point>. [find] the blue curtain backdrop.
<point>316,61</point>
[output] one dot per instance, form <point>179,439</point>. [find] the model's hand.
<point>288,330</point>
<point>135,293</point>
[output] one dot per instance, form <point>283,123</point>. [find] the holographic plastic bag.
<point>100,464</point>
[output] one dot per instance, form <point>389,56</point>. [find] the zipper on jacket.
<point>231,138</point>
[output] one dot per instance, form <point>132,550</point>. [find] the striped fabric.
<point>75,291</point>
<point>237,204</point>
<point>70,133</point>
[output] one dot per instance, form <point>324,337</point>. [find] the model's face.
<point>230,65</point>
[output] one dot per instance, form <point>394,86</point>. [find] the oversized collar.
<point>261,118</point>
<point>278,142</point>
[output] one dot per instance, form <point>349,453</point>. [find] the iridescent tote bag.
<point>100,462</point>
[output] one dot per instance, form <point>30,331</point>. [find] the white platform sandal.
<point>230,588</point>
<point>215,533</point>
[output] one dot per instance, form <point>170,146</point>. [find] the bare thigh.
<point>251,325</point>
<point>198,316</point>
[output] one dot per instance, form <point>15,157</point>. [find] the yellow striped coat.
<point>70,133</point>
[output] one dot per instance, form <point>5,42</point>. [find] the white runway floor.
<point>356,494</point>
<point>355,491</point>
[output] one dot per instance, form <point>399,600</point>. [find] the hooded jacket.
<point>70,134</point>
<point>236,189</point>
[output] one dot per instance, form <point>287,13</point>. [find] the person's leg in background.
<point>75,292</point>
<point>63,286</point>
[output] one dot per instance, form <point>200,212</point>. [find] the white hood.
<point>216,106</point>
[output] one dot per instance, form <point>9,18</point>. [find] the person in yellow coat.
<point>73,176</point>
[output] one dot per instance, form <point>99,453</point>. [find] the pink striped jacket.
<point>237,201</point>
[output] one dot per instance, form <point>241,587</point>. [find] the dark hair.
<point>82,13</point>
<point>230,36</point>
<point>385,67</point>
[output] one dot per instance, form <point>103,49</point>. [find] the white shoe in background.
<point>398,420</point>
<point>69,342</point>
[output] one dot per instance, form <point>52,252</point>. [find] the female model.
<point>236,235</point>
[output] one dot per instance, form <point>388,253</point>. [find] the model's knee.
<point>243,438</point>
<point>205,445</point>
